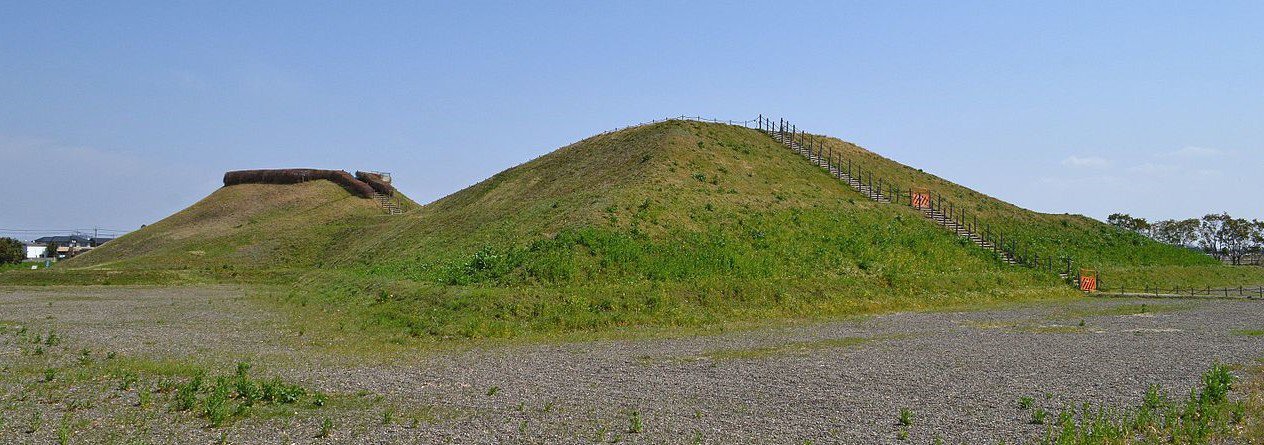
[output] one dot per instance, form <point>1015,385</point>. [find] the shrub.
<point>11,251</point>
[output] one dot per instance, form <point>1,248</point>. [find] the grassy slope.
<point>242,227</point>
<point>1090,242</point>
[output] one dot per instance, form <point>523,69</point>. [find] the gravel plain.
<point>960,374</point>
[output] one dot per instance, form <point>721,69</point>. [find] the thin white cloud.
<point>1153,169</point>
<point>1086,162</point>
<point>1194,152</point>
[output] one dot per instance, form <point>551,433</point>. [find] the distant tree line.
<point>1219,235</point>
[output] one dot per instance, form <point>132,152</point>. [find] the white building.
<point>35,251</point>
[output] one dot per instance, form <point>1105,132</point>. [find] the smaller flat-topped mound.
<point>242,225</point>
<point>299,175</point>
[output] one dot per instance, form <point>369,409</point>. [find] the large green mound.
<point>676,223</point>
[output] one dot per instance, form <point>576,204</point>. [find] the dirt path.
<point>960,374</point>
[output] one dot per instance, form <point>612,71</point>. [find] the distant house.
<point>35,251</point>
<point>67,245</point>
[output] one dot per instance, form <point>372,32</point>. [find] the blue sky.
<point>133,111</point>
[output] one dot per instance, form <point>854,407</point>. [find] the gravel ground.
<point>960,373</point>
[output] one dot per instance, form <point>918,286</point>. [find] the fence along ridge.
<point>944,212</point>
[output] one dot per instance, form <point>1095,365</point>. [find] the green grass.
<point>1249,332</point>
<point>1136,279</point>
<point>678,224</point>
<point>20,266</point>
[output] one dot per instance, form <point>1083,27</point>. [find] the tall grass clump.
<point>1206,416</point>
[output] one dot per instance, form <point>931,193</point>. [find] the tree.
<point>1127,222</point>
<point>1257,239</point>
<point>1209,234</point>
<point>1120,220</point>
<point>1235,237</point>
<point>1165,232</point>
<point>1187,230</point>
<point>11,251</point>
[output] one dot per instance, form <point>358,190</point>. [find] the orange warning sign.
<point>1088,280</point>
<point>920,199</point>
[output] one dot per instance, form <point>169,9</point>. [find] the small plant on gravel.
<point>215,408</point>
<point>939,440</point>
<point>52,339</point>
<point>144,398</point>
<point>126,380</point>
<point>1067,415</point>
<point>906,417</point>
<point>186,397</point>
<point>63,430</point>
<point>492,391</point>
<point>634,422</point>
<point>247,391</point>
<point>50,374</point>
<point>37,420</point>
<point>548,406</point>
<point>697,414</point>
<point>388,415</point>
<point>697,438</point>
<point>319,399</point>
<point>1026,402</point>
<point>326,426</point>
<point>85,357</point>
<point>278,391</point>
<point>903,434</point>
<point>522,427</point>
<point>1038,416</point>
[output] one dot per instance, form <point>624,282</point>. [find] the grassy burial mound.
<point>672,224</point>
<point>678,223</point>
<point>243,228</point>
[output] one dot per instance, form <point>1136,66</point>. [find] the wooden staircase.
<point>868,189</point>
<point>387,204</point>
<point>875,193</point>
<point>964,231</point>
